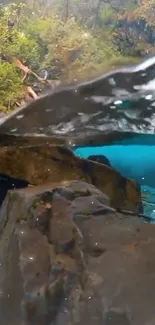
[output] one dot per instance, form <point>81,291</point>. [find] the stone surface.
<point>58,268</point>
<point>101,159</point>
<point>13,140</point>
<point>49,163</point>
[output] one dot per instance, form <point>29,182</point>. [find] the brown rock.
<point>88,206</point>
<point>41,286</point>
<point>45,163</point>
<point>34,280</point>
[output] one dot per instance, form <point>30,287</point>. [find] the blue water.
<point>133,158</point>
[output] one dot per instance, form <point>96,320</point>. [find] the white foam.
<point>18,117</point>
<point>118,102</point>
<point>144,65</point>
<point>149,97</point>
<point>149,86</point>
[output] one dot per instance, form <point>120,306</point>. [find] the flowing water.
<point>113,116</point>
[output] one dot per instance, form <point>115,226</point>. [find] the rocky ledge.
<point>72,247</point>
<point>67,257</point>
<point>48,163</point>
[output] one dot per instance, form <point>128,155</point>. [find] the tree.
<point>135,33</point>
<point>77,48</point>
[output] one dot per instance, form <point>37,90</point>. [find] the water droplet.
<point>118,102</point>
<point>112,82</point>
<point>18,117</point>
<point>14,130</point>
<point>149,97</point>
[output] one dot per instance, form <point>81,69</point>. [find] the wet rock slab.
<point>67,257</point>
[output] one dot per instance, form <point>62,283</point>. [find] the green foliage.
<point>107,15</point>
<point>10,86</point>
<point>74,39</point>
<point>80,51</point>
<point>13,41</point>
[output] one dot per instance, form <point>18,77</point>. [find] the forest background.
<point>46,42</point>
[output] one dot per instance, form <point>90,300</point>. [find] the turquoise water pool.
<point>134,158</point>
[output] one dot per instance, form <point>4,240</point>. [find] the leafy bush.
<point>10,86</point>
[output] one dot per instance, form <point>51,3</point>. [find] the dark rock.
<point>66,192</point>
<point>12,140</point>
<point>39,287</point>
<point>45,163</point>
<point>101,159</point>
<point>88,206</point>
<point>81,188</point>
<point>105,277</point>
<point>8,183</point>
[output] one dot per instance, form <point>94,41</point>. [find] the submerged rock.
<point>101,159</point>
<point>45,163</point>
<point>100,270</point>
